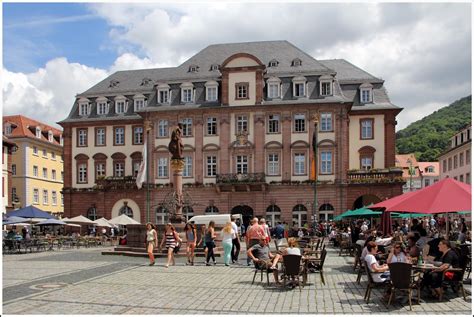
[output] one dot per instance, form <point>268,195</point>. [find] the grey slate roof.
<point>346,89</point>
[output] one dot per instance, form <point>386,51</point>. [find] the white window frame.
<point>162,128</point>
<point>299,81</point>
<point>242,164</point>
<point>162,170</point>
<point>299,163</point>
<point>45,197</point>
<point>38,132</point>
<point>35,150</point>
<point>273,164</point>
<point>102,107</point>
<point>274,82</point>
<point>53,156</point>
<point>45,153</point>
<point>297,126</point>
<point>188,166</point>
<point>82,139</point>
<point>100,137</point>
<point>84,109</point>
<point>366,95</point>
<point>187,93</point>
<point>35,196</point>
<point>138,137</point>
<point>62,199</point>
<point>365,128</point>
<point>212,91</point>
<point>119,136</point>
<point>54,198</point>
<point>45,173</point>
<point>273,124</point>
<point>165,89</point>
<point>82,173</point>
<point>8,129</point>
<point>211,165</point>
<point>363,162</point>
<point>326,122</point>
<point>13,169</point>
<point>119,169</point>
<point>50,136</point>
<point>53,174</point>
<point>326,162</point>
<point>139,103</point>
<point>211,126</point>
<point>35,171</point>
<point>242,121</point>
<point>99,169</point>
<point>187,126</point>
<point>324,92</point>
<point>118,101</point>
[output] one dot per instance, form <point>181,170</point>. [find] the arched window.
<point>326,212</point>
<point>273,214</point>
<point>126,210</point>
<point>161,215</point>
<point>188,212</point>
<point>300,215</point>
<point>212,210</point>
<point>92,213</point>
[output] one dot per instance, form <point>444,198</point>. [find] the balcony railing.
<point>240,178</point>
<point>115,182</point>
<point>393,175</point>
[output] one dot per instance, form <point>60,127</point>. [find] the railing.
<point>114,182</point>
<point>375,176</point>
<point>240,178</point>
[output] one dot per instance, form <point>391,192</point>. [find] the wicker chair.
<point>292,268</point>
<point>371,284</point>
<point>402,279</point>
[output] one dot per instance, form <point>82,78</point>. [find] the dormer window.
<point>38,132</point>
<point>299,87</point>
<point>139,102</point>
<point>8,129</point>
<point>187,93</point>
<point>50,136</point>
<point>164,93</point>
<point>120,105</point>
<point>61,140</point>
<point>429,169</point>
<point>214,67</point>
<point>145,82</point>
<point>113,83</point>
<point>296,62</point>
<point>84,109</point>
<point>273,87</point>
<point>193,68</point>
<point>273,63</point>
<point>211,90</point>
<point>366,93</point>
<point>102,106</point>
<point>325,85</point>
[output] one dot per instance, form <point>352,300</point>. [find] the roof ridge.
<point>304,53</point>
<point>23,122</point>
<point>346,61</point>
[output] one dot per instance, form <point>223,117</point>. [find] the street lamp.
<point>315,155</point>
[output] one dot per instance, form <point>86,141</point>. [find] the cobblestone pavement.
<point>85,282</point>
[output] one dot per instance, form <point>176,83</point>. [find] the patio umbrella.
<point>30,212</point>
<point>14,220</point>
<point>386,223</point>
<point>50,222</point>
<point>80,219</point>
<point>102,222</point>
<point>360,212</point>
<point>123,220</point>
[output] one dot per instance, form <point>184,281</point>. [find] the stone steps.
<point>141,252</point>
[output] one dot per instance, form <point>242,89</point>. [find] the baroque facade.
<point>248,112</point>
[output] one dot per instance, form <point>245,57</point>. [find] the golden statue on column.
<point>176,147</point>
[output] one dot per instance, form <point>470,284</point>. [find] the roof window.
<point>296,62</point>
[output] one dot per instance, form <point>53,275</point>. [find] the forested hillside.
<point>430,136</point>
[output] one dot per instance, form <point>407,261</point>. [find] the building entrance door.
<point>245,211</point>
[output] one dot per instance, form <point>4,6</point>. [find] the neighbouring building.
<point>429,173</point>
<point>455,162</point>
<point>8,148</point>
<point>37,163</point>
<point>247,111</point>
<point>411,172</point>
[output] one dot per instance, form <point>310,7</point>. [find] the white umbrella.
<point>80,219</point>
<point>123,220</point>
<point>50,222</point>
<point>102,222</point>
<point>72,225</point>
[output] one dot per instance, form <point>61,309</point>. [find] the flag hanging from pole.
<point>141,176</point>
<point>312,175</point>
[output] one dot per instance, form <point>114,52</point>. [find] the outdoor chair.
<point>292,268</point>
<point>402,279</point>
<point>345,246</point>
<point>357,254</point>
<point>361,270</point>
<point>261,267</point>
<point>371,284</point>
<point>279,243</point>
<point>457,275</point>
<point>318,265</point>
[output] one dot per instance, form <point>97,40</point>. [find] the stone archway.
<point>365,200</point>
<point>245,211</point>
<point>130,203</point>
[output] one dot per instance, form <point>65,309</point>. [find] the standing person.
<point>266,229</point>
<point>235,242</point>
<point>202,240</point>
<point>253,235</point>
<point>210,244</point>
<point>191,238</point>
<point>227,235</point>
<point>151,241</point>
<point>170,236</point>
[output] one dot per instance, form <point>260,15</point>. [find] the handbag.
<point>177,247</point>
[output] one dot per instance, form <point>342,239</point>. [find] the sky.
<point>53,51</point>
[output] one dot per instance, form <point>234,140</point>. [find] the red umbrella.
<point>447,195</point>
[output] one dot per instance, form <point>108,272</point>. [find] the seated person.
<point>292,249</point>
<point>380,273</point>
<point>380,241</point>
<point>11,234</point>
<point>364,249</point>
<point>261,255</point>
<point>449,258</point>
<point>397,255</point>
<point>412,249</point>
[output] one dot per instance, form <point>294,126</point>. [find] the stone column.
<point>177,166</point>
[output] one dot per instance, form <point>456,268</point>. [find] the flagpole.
<point>315,153</point>
<point>148,127</point>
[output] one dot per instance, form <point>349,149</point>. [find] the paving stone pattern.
<point>82,281</point>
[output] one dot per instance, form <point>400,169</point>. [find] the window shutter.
<point>194,95</point>
<point>170,94</point>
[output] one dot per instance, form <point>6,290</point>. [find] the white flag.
<point>141,176</point>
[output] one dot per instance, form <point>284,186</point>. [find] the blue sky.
<point>34,33</point>
<point>53,51</point>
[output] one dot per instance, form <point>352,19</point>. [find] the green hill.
<point>430,136</point>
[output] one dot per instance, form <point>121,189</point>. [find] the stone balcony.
<point>241,182</point>
<point>375,176</point>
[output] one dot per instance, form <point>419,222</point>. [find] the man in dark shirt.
<point>260,254</point>
<point>279,231</point>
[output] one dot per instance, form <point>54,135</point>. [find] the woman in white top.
<point>291,250</point>
<point>151,241</point>
<point>227,234</point>
<point>397,255</point>
<point>380,273</point>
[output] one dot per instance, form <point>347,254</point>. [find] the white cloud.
<point>47,94</point>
